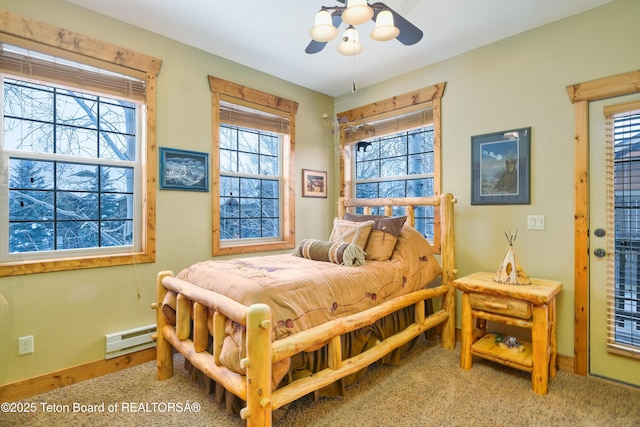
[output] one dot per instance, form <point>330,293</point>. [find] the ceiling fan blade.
<point>409,33</point>
<point>315,46</point>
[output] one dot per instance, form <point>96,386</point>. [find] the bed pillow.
<point>351,232</point>
<point>347,254</point>
<point>383,236</point>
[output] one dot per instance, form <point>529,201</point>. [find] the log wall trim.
<point>581,94</point>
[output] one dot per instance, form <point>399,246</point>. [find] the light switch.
<point>535,222</point>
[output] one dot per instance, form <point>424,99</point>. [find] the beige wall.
<point>514,83</point>
<point>520,82</point>
<point>68,313</point>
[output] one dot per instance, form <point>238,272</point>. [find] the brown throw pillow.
<point>383,236</point>
<point>341,253</point>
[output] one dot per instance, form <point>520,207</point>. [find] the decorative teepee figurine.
<point>510,271</point>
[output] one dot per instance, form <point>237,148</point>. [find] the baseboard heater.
<point>125,342</point>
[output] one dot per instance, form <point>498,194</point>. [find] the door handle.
<point>599,252</point>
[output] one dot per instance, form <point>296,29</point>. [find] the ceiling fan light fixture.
<point>323,29</point>
<point>385,28</point>
<point>357,12</point>
<point>350,45</point>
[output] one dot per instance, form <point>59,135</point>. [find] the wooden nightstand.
<point>526,306</point>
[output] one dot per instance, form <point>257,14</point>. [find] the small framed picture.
<point>314,183</point>
<point>500,168</point>
<point>183,170</point>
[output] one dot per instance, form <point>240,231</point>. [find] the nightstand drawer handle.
<point>496,305</point>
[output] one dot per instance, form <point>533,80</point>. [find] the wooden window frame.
<point>28,33</point>
<point>243,94</point>
<point>426,98</point>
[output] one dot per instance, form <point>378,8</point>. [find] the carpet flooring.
<point>428,388</point>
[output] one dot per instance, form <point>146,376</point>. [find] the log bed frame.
<point>194,305</point>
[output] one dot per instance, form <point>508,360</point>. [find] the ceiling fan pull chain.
<point>354,89</point>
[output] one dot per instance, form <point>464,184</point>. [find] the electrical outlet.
<point>25,345</point>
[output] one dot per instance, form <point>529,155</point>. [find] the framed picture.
<point>183,170</point>
<point>314,183</point>
<point>500,168</point>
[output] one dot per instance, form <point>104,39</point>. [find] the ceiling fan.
<point>331,17</point>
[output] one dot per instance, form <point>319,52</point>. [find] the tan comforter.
<point>303,293</point>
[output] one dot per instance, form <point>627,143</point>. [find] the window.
<point>623,157</point>
<point>253,199</point>
<point>394,151</point>
<point>398,165</point>
<point>77,132</point>
<point>72,162</point>
<point>250,184</point>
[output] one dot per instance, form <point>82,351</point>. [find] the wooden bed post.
<point>448,262</point>
<point>258,366</point>
<point>164,356</point>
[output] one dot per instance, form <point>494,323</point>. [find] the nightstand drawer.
<point>501,305</point>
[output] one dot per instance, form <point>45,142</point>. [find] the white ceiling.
<point>271,36</point>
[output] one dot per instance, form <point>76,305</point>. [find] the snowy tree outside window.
<point>398,165</point>
<point>72,163</point>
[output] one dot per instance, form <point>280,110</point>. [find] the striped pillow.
<point>342,253</point>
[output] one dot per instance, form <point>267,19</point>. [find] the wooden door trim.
<point>581,94</point>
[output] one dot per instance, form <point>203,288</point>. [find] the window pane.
<point>229,229</point>
<point>250,208</point>
<point>28,101</point>
<point>116,206</point>
<point>31,237</point>
<point>268,165</point>
<point>229,186</point>
<point>77,206</point>
<point>228,161</point>
<point>270,207</point>
<point>76,110</point>
<point>248,163</point>
<point>73,141</point>
<point>392,189</point>
<point>228,138</point>
<point>116,233</point>
<point>270,227</point>
<point>393,147</point>
<point>115,146</point>
<point>76,234</point>
<point>394,166</point>
<point>29,136</point>
<point>117,116</point>
<point>368,169</point>
<point>74,176</point>
<point>250,229</point>
<point>270,188</point>
<point>116,179</point>
<point>30,205</point>
<point>269,144</point>
<point>30,174</point>
<point>248,142</point>
<point>250,187</point>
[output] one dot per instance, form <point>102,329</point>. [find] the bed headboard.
<point>443,242</point>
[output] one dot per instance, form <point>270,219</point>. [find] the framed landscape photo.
<point>183,170</point>
<point>314,183</point>
<point>500,168</point>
